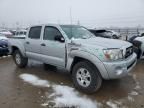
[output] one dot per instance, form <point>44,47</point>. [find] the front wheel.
<point>86,77</point>
<point>20,61</point>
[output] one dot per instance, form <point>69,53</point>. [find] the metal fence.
<point>127,33</point>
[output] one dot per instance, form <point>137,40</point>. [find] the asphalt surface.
<point>127,92</point>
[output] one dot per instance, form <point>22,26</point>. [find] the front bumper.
<point>118,69</point>
<point>4,51</point>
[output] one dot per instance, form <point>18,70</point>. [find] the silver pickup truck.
<point>88,58</point>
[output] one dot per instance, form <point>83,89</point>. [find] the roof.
<point>51,24</point>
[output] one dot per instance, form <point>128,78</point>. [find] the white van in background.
<point>20,33</point>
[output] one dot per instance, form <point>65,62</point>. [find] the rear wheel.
<point>86,77</point>
<point>20,61</point>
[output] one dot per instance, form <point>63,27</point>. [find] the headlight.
<point>113,54</point>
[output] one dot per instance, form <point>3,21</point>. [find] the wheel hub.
<point>18,59</point>
<point>83,77</point>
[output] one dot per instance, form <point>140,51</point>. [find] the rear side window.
<point>35,32</point>
<point>50,32</point>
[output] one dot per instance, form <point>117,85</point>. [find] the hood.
<point>103,42</point>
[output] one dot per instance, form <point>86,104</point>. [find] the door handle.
<point>43,44</point>
<point>27,42</point>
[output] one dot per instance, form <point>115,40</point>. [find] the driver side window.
<point>50,33</point>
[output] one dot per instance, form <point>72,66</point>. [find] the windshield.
<point>73,31</point>
<point>105,33</point>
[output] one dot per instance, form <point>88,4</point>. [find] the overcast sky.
<point>96,13</point>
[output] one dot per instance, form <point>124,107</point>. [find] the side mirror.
<point>59,38</point>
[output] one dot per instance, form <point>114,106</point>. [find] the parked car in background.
<point>138,43</point>
<point>105,33</point>
<point>142,34</point>
<point>13,32</point>
<point>20,33</point>
<point>3,45</point>
<point>88,58</point>
<point>3,37</point>
<point>5,32</point>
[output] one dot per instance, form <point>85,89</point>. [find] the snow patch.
<point>52,95</point>
<point>66,96</point>
<point>134,77</point>
<point>137,87</point>
<point>34,80</point>
<point>44,104</point>
<point>4,56</point>
<point>130,98</point>
<point>133,93</point>
<point>63,96</point>
<point>111,104</point>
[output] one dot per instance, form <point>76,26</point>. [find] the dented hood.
<point>103,42</point>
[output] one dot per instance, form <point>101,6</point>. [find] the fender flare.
<point>90,57</point>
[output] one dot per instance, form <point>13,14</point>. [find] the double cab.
<point>88,58</point>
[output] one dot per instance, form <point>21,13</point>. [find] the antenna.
<point>71,20</point>
<point>70,16</point>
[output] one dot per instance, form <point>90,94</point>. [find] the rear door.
<point>53,51</point>
<point>32,44</point>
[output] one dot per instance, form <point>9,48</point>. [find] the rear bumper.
<point>120,69</point>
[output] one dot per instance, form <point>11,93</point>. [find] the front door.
<point>53,51</point>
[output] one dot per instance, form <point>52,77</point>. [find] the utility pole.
<point>17,25</point>
<point>3,25</point>
<point>78,23</point>
<point>70,16</point>
<point>71,20</point>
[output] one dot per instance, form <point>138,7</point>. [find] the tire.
<point>20,61</point>
<point>95,79</point>
<point>139,54</point>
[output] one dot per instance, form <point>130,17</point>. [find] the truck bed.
<point>16,41</point>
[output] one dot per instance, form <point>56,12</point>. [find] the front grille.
<point>129,51</point>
